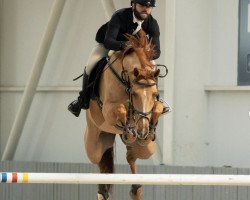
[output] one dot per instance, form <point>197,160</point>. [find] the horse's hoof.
<point>101,197</point>
<point>138,195</point>
<point>152,137</point>
<point>129,137</point>
<point>144,142</point>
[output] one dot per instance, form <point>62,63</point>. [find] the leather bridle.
<point>124,79</point>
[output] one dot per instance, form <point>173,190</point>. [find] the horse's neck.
<point>111,90</point>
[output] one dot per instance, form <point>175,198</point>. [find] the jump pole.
<point>125,179</point>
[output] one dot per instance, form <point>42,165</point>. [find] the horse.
<point>127,106</point>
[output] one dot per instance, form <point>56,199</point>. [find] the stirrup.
<point>167,108</point>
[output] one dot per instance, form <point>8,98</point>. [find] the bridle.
<point>124,79</point>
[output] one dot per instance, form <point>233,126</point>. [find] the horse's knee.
<point>146,151</point>
<point>140,152</point>
<point>114,113</point>
<point>121,114</point>
<point>146,155</point>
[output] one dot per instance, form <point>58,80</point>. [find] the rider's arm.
<point>110,41</point>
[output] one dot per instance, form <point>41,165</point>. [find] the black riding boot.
<point>82,101</point>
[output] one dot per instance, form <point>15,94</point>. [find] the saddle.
<point>94,79</point>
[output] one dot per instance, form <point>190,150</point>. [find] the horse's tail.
<point>106,164</point>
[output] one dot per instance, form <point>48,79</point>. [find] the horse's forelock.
<point>141,46</point>
<point>145,73</point>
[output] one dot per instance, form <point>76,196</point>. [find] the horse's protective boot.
<point>136,192</point>
<point>82,101</point>
<point>103,192</point>
<point>102,197</point>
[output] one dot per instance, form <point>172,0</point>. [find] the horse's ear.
<point>156,73</point>
<point>136,72</point>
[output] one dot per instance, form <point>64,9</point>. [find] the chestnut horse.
<point>127,106</point>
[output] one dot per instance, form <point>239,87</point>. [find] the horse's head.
<point>141,74</point>
<point>144,95</point>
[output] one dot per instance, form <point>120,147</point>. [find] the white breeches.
<point>98,52</point>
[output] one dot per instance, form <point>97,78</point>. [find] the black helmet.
<point>149,3</point>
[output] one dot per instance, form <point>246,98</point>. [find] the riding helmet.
<point>148,3</point>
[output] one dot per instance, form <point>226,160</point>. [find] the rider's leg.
<point>98,52</point>
<point>82,102</point>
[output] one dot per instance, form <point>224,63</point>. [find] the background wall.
<point>1,11</point>
<point>210,122</point>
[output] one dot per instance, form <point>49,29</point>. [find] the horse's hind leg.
<point>106,165</point>
<point>138,152</point>
<point>136,190</point>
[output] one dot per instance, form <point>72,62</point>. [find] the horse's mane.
<point>142,47</point>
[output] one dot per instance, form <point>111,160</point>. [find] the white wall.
<point>228,118</point>
<point>224,42</point>
<point>192,61</point>
<point>228,129</point>
<point>211,127</point>
<point>1,11</point>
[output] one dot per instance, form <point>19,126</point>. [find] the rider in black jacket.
<point>112,33</point>
<point>110,36</point>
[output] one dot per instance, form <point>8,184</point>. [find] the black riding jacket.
<point>112,33</point>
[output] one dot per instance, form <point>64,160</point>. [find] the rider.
<point>110,36</point>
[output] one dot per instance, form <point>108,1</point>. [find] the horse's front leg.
<point>116,115</point>
<point>157,111</point>
<point>136,190</point>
